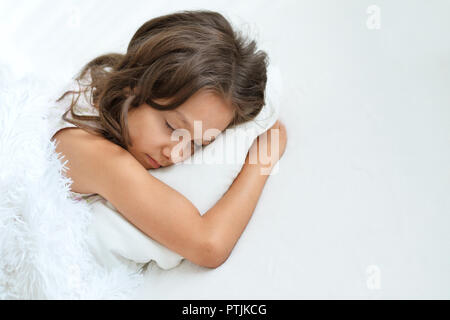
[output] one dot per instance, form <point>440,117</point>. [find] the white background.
<point>360,206</point>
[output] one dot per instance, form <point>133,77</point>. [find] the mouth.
<point>153,162</point>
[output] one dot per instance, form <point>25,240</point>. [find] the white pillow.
<point>116,241</point>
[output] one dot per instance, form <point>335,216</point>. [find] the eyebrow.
<point>183,118</point>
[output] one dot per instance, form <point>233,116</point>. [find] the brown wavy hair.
<point>172,57</point>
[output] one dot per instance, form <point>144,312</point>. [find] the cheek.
<point>140,125</point>
<point>150,136</point>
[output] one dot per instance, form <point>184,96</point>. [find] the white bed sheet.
<point>360,206</point>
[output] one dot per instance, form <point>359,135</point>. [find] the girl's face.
<point>151,129</point>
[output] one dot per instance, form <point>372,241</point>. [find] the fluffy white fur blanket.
<point>43,238</point>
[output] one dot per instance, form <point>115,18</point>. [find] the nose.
<point>184,148</point>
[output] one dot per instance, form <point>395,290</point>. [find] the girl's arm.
<point>165,215</point>
<point>230,215</point>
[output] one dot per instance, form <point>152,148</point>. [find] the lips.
<point>153,162</point>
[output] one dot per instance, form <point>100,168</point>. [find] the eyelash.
<point>168,126</point>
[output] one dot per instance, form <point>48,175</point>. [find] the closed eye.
<point>172,129</point>
<point>193,143</point>
<point>168,126</point>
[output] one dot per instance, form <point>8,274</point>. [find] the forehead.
<point>207,107</point>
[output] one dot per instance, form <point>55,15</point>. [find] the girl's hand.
<point>268,147</point>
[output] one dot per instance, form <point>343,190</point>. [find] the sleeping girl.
<point>178,68</point>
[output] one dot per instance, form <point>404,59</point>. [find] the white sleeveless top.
<point>56,123</point>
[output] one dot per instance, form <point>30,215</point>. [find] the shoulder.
<point>82,140</point>
<point>89,157</point>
